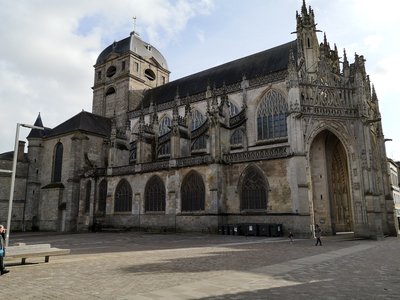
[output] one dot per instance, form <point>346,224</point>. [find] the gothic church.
<point>291,135</point>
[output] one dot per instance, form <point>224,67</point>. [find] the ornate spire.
<point>304,8</point>
<point>155,115</point>
<point>187,106</point>
<point>141,117</point>
<point>224,105</point>
<point>175,112</point>
<point>292,71</point>
<point>214,104</point>
<point>345,57</point>
<point>374,97</point>
<point>175,119</point>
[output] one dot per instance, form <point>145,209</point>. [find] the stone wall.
<point>17,218</point>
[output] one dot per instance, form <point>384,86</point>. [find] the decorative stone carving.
<point>271,153</point>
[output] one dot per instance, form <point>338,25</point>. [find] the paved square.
<point>135,265</point>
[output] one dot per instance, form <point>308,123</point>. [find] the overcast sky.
<point>48,47</point>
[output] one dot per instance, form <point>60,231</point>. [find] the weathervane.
<point>134,24</point>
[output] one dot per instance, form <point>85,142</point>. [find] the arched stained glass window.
<point>102,196</point>
<point>200,143</point>
<point>271,116</point>
<point>253,192</point>
<point>123,197</point>
<point>197,119</point>
<point>87,198</point>
<point>164,149</point>
<point>237,137</point>
<point>193,192</point>
<point>165,125</point>
<point>233,109</point>
<point>57,164</point>
<point>155,195</point>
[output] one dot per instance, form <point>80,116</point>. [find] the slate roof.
<point>37,133</point>
<point>84,121</point>
<point>259,64</point>
<point>10,156</point>
<point>135,44</point>
<point>7,155</point>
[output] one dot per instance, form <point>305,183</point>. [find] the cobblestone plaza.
<point>133,265</point>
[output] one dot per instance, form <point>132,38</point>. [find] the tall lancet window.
<point>57,162</point>
<point>123,197</point>
<point>164,128</point>
<point>253,190</point>
<point>233,109</point>
<point>271,117</point>
<point>197,119</point>
<point>193,192</point>
<point>165,125</point>
<point>155,195</point>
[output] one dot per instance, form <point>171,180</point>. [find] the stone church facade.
<point>290,135</point>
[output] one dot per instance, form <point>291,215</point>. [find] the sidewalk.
<point>151,266</point>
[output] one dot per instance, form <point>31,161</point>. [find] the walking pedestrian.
<point>318,233</point>
<point>3,270</point>
<point>291,237</point>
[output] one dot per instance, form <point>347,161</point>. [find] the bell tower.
<point>307,39</point>
<point>122,71</point>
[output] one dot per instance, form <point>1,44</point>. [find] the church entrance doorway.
<point>332,203</point>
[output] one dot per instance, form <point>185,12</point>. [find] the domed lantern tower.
<point>122,71</point>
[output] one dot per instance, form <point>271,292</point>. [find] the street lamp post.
<point>13,171</point>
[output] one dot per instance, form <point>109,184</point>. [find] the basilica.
<point>291,135</point>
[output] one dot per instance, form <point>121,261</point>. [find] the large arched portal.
<point>330,184</point>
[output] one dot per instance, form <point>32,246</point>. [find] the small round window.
<point>111,71</point>
<point>150,74</point>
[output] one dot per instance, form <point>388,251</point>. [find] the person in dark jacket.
<point>3,270</point>
<point>318,233</point>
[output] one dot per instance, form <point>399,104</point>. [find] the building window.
<point>200,143</point>
<point>102,196</point>
<point>98,75</point>
<point>154,195</point>
<point>163,80</point>
<point>237,137</point>
<point>111,71</point>
<point>271,117</point>
<point>233,109</point>
<point>193,192</point>
<point>165,125</point>
<point>57,164</point>
<point>150,75</point>
<point>110,91</point>
<point>253,192</point>
<point>87,198</point>
<point>123,66</point>
<point>136,67</point>
<point>197,119</point>
<point>164,149</point>
<point>164,128</point>
<point>132,152</point>
<point>123,197</point>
